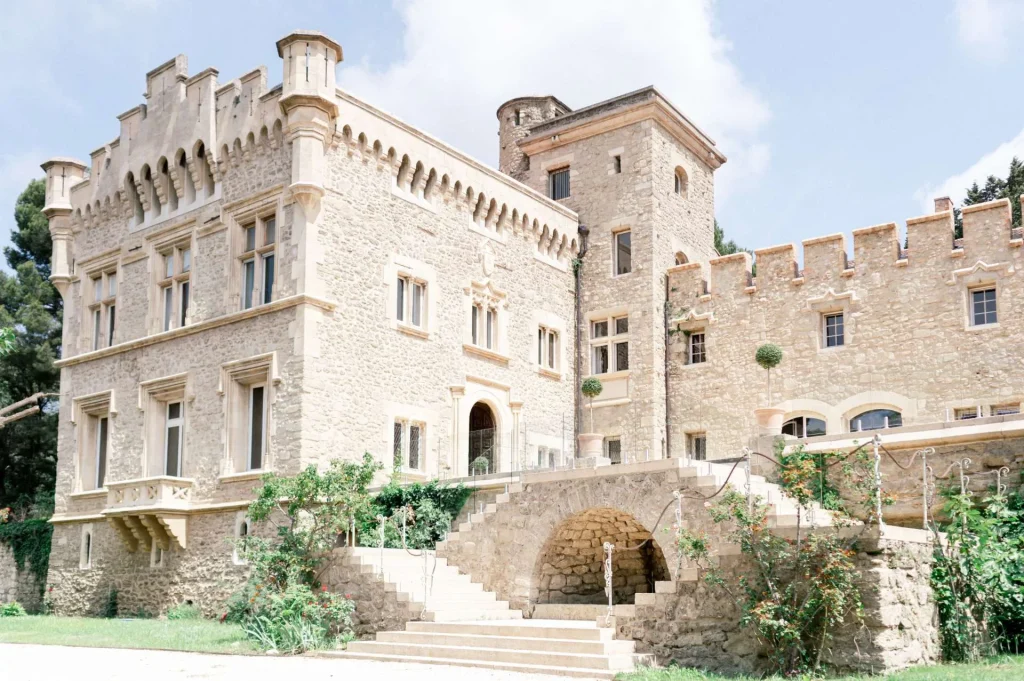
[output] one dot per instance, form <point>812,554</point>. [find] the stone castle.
<point>261,278</point>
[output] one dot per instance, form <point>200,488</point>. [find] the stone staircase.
<point>450,596</point>
<point>564,648</point>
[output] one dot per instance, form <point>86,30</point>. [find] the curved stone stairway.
<point>461,624</point>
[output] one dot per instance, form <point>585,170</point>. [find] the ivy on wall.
<point>30,542</point>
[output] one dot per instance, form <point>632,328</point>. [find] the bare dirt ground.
<point>52,663</point>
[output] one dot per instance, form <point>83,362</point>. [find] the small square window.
<point>600,329</point>
<point>697,446</point>
<point>614,449</point>
<point>834,331</point>
<point>697,354</point>
<point>983,306</point>
<point>623,253</point>
<point>965,413</point>
<point>621,325</point>
<point>559,184</point>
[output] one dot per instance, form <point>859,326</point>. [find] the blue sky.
<point>834,116</point>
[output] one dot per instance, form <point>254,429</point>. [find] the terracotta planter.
<point>591,445</point>
<point>769,420</point>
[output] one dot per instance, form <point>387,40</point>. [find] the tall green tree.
<point>996,188</point>
<point>721,245</point>
<point>33,309</point>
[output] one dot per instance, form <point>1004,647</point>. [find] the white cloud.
<point>461,61</point>
<point>987,28</point>
<point>995,162</point>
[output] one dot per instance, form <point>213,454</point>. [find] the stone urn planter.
<point>591,445</point>
<point>769,420</point>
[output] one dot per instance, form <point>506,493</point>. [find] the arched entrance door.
<point>482,440</point>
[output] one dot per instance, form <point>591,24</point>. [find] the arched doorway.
<point>482,439</point>
<point>570,567</point>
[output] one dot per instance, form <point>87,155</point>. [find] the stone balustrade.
<point>163,492</point>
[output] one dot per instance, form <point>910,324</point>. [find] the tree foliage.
<point>429,509</point>
<point>32,309</point>
<point>996,188</point>
<point>722,246</point>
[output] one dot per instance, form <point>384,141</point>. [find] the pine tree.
<point>721,245</point>
<point>995,188</point>
<point>32,307</point>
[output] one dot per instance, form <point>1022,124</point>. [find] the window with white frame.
<point>175,286</point>
<point>103,308</point>
<point>609,345</point>
<point>1005,409</point>
<point>256,411</point>
<point>697,446</point>
<point>964,413</point>
<point>804,426</point>
<point>833,328</point>
<point>174,434</point>
<point>547,348</point>
<point>487,309</point>
<point>983,306</point>
<point>407,444</point>
<point>242,530</point>
<point>558,183</point>
<point>623,252</point>
<point>876,419</point>
<point>411,301</point>
<point>248,387</point>
<point>85,551</point>
<point>613,449</point>
<point>696,350</point>
<point>92,418</point>
<point>483,327</point>
<point>258,261</point>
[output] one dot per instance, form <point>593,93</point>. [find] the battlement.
<point>878,253</point>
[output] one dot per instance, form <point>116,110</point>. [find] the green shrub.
<point>184,611</point>
<point>298,619</point>
<point>431,509</point>
<point>12,610</point>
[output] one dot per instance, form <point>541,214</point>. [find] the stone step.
<point>480,664</point>
<point>461,599</point>
<point>415,586</point>
<point>612,662</point>
<point>484,640</point>
<point>467,614</point>
<point>569,611</point>
<point>532,628</point>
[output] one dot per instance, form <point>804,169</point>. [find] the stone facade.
<point>18,586</point>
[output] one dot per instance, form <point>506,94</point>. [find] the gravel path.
<point>47,663</point>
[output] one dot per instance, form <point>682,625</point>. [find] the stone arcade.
<point>261,278</point>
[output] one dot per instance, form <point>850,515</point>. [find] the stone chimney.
<point>943,203</point>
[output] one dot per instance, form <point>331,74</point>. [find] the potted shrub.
<point>769,419</point>
<point>591,444</point>
<point>480,465</point>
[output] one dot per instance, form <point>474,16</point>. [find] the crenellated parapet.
<point>878,253</point>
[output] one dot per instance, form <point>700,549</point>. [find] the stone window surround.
<point>609,315</point>
<point>691,445</point>
<point>84,410</point>
<point>156,555</point>
<point>535,442</point>
<point>404,447</point>
<point>428,420</point>
<point>681,182</point>
<point>615,232</point>
<point>689,324</point>
<point>170,241</point>
<point>831,303</point>
<point>981,275</point>
<point>837,417</point>
<point>241,521</point>
<point>102,265</point>
<point>806,414</point>
<point>487,296</point>
<point>235,379</point>
<point>87,547</point>
<point>617,152</point>
<point>256,211</point>
<point>548,321</point>
<point>418,271</point>
<point>154,395</point>
<point>608,439</point>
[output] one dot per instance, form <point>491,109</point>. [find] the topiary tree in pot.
<point>591,388</point>
<point>769,356</point>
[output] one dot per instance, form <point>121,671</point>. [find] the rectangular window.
<point>609,353</point>
<point>540,346</point>
<point>965,413</point>
<point>1005,409</point>
<point>490,329</point>
<point>176,287</point>
<point>257,426</point>
<point>103,309</point>
<point>559,183</point>
<point>396,450</point>
<point>621,325</point>
<point>600,329</point>
<point>983,306</point>
<point>172,439</point>
<point>185,292</point>
<point>623,253</point>
<point>834,331</point>
<point>258,262</point>
<point>621,356</point>
<point>600,360</point>
<point>618,165</point>
<point>111,314</point>
<point>414,447</point>
<point>248,283</point>
<point>547,348</point>
<point>400,302</point>
<point>698,446</point>
<point>552,344</point>
<point>410,301</point>
<point>101,450</point>
<point>417,304</point>
<point>697,352</point>
<point>268,278</point>
<point>168,295</point>
<point>97,321</point>
<point>614,449</point>
<point>475,323</point>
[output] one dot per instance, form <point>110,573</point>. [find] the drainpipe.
<point>668,441</point>
<point>584,233</point>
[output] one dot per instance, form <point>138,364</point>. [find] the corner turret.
<point>61,175</point>
<point>515,118</point>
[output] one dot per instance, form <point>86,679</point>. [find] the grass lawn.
<point>1004,668</point>
<point>204,636</point>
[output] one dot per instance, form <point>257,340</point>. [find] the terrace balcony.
<point>150,510</point>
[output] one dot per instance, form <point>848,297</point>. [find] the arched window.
<point>876,419</point>
<point>804,426</point>
<point>681,258</point>
<point>681,182</point>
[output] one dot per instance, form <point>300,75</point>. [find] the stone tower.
<point>515,118</point>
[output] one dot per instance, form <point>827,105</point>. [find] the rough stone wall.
<point>697,626</point>
<point>18,586</point>
<point>377,608</point>
<point>532,111</point>
<point>204,574</point>
<point>908,342</point>
<point>572,564</point>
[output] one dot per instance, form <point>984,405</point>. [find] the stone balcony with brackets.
<point>150,510</point>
